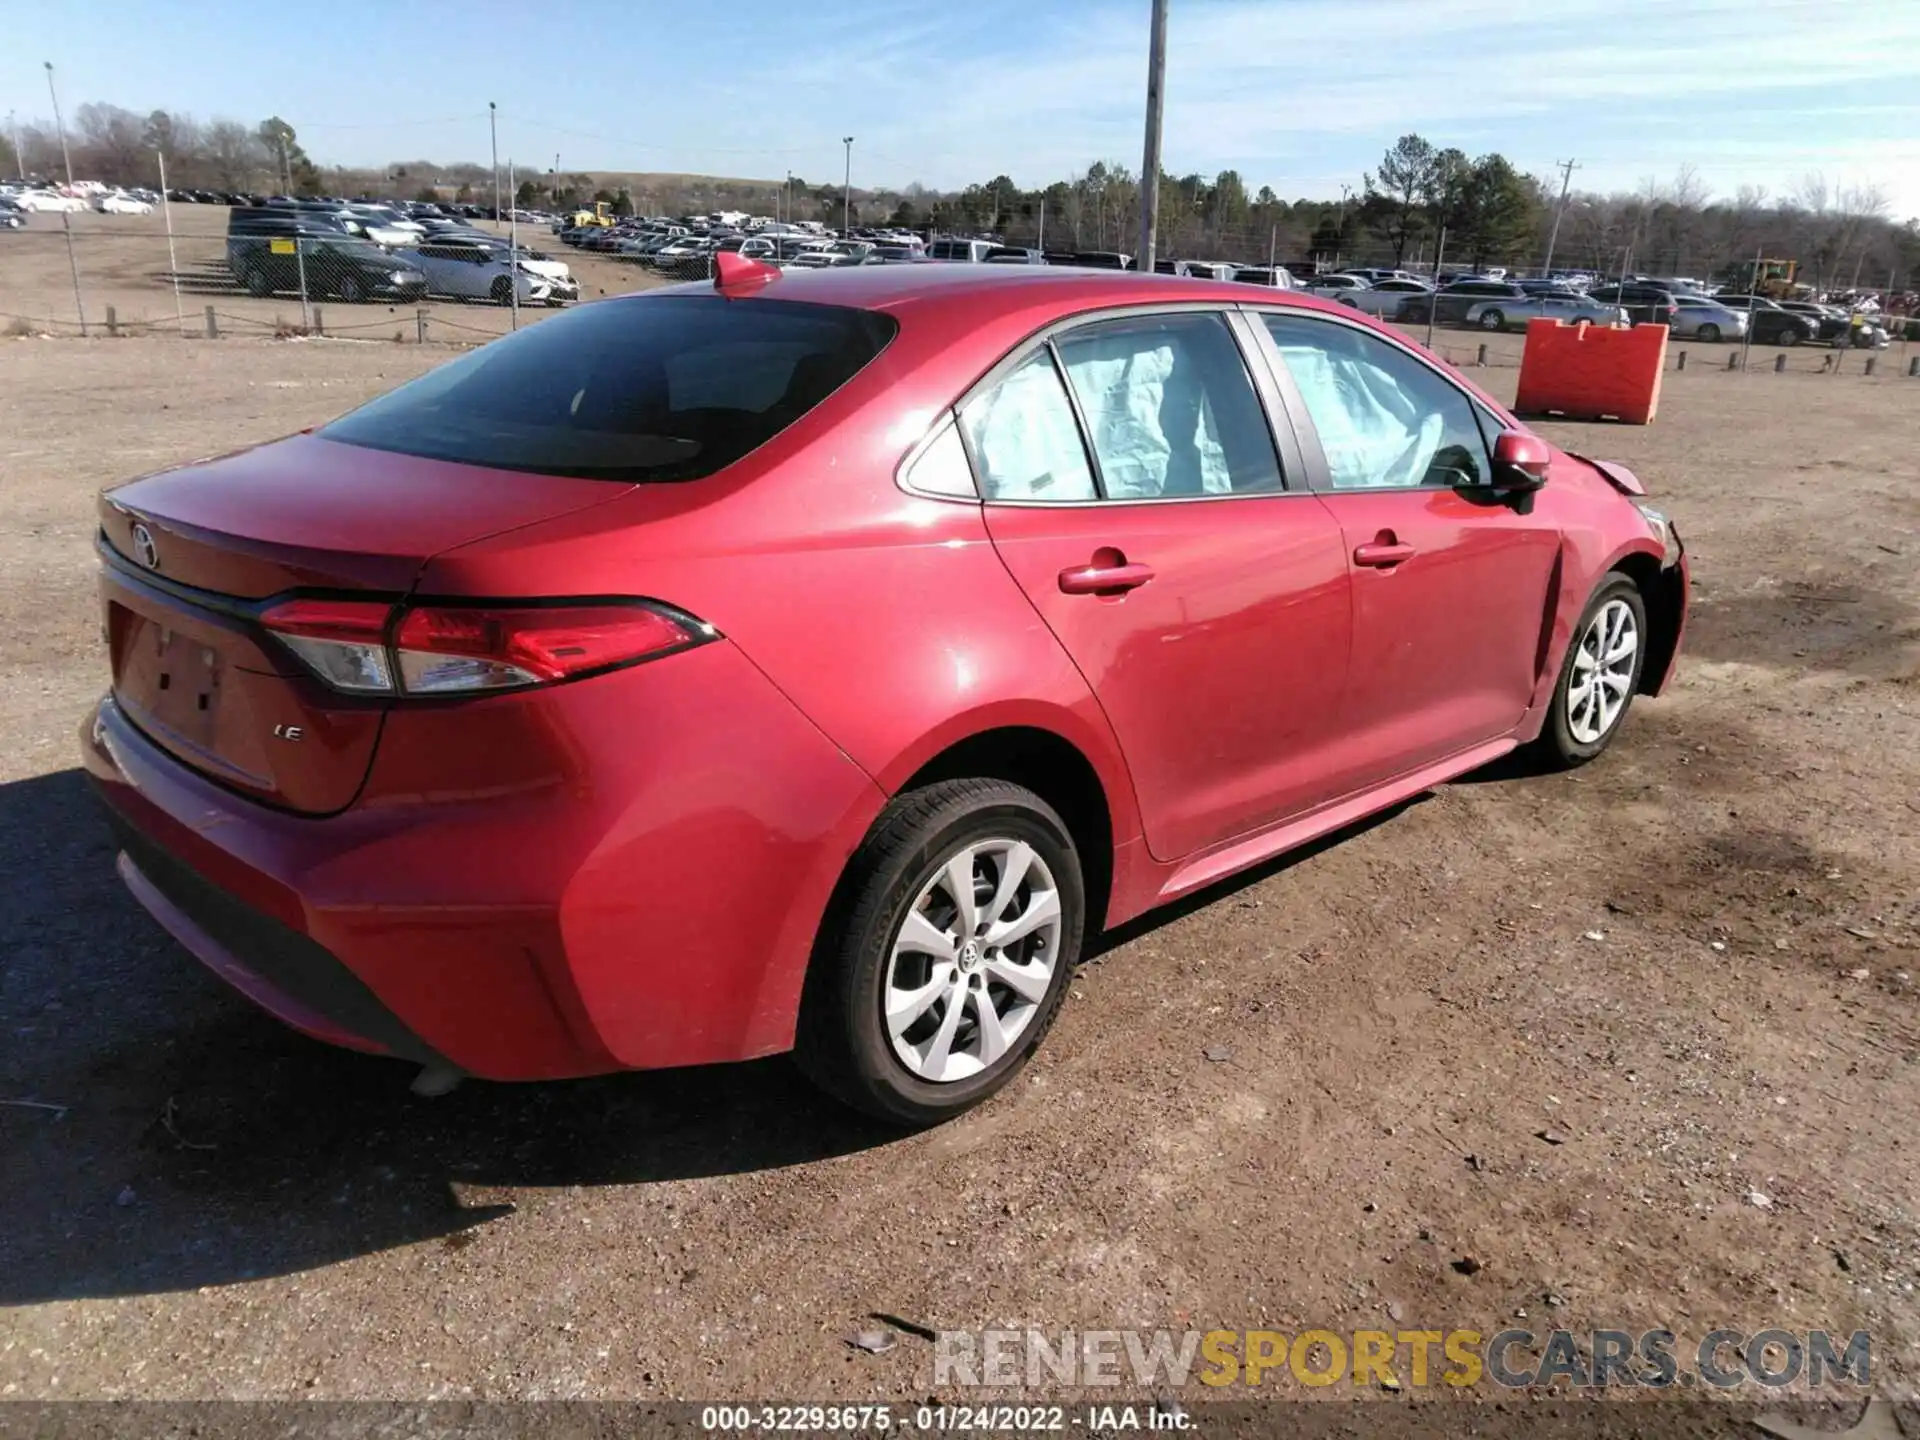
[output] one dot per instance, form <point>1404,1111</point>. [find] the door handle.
<point>1382,554</point>
<point>1104,579</point>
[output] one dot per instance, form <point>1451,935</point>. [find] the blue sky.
<point>1302,95</point>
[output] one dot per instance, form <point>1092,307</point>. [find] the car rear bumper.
<point>622,873</point>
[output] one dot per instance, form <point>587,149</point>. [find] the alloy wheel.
<point>972,960</point>
<point>1602,672</point>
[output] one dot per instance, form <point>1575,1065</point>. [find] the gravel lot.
<point>1298,1102</point>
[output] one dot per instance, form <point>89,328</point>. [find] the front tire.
<point>945,954</point>
<point>351,289</point>
<point>1598,677</point>
<point>1493,320</point>
<point>1708,334</point>
<point>1789,338</point>
<point>502,290</point>
<point>257,283</point>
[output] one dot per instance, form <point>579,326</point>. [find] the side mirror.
<point>1520,461</point>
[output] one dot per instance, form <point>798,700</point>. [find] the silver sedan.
<point>1514,314</point>
<point>1705,321</point>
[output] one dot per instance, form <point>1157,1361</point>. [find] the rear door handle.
<point>1382,555</point>
<point>1099,579</point>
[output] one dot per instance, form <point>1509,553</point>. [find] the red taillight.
<point>445,649</point>
<point>462,649</point>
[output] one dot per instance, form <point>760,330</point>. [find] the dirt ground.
<point>124,264</point>
<point>1640,1041</point>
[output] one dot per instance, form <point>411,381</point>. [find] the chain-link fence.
<point>206,270</point>
<point>214,272</point>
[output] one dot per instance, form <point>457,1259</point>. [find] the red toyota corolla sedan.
<point>813,662</point>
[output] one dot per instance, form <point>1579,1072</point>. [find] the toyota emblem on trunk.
<point>143,548</point>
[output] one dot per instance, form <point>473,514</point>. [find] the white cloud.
<point>1302,95</point>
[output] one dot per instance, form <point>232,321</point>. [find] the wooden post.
<point>1779,364</point>
<point>420,325</point>
<point>1913,368</point>
<point>1868,370</point>
<point>1733,361</point>
<point>213,325</point>
<point>319,325</point>
<point>1481,358</point>
<point>113,322</point>
<point>1683,361</point>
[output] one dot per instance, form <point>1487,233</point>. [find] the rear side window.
<point>668,388</point>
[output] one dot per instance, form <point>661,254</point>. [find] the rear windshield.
<point>673,387</point>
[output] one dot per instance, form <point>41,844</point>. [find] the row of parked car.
<point>356,251</point>
<point>1685,308</point>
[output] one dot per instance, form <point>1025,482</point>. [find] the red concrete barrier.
<point>1592,372</point>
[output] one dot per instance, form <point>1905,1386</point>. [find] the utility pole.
<point>1150,163</point>
<point>66,219</point>
<point>846,194</point>
<point>556,180</point>
<point>493,136</point>
<point>1566,168</point>
<point>19,157</point>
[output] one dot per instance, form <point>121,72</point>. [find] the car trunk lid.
<point>192,556</point>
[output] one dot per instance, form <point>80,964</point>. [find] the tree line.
<point>1422,203</point>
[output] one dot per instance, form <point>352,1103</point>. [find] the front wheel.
<point>1789,338</point>
<point>1599,676</point>
<point>1493,320</point>
<point>502,290</point>
<point>351,288</point>
<point>1708,334</point>
<point>946,952</point>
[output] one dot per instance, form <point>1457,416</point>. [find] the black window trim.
<point>1318,473</point>
<point>1288,456</point>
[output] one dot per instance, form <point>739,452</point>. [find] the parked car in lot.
<point>465,270</point>
<point>53,200</point>
<point>1276,277</point>
<point>690,677</point>
<point>340,266</point>
<point>1514,314</point>
<point>1449,304</point>
<point>113,203</point>
<point>1334,285</point>
<point>1769,324</point>
<point>1840,327</point>
<point>12,217</point>
<point>1707,321</point>
<point>969,252</point>
<point>1384,298</point>
<point>1644,304</point>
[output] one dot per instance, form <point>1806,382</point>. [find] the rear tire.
<point>502,290</point>
<point>1789,338</point>
<point>351,289</point>
<point>896,891</point>
<point>257,283</point>
<point>1597,681</point>
<point>1708,334</point>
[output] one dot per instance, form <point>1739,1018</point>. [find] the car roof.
<point>989,292</point>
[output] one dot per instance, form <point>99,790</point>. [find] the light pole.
<point>846,194</point>
<point>1150,165</point>
<point>493,138</point>
<point>66,218</point>
<point>19,158</point>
